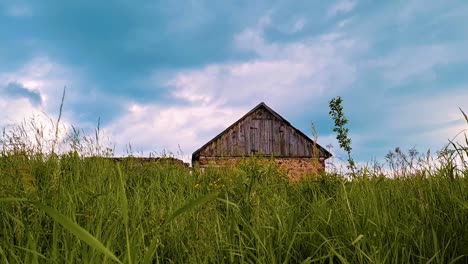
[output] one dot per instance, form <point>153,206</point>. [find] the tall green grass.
<point>67,209</point>
<point>70,209</point>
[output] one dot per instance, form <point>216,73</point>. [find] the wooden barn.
<point>263,131</point>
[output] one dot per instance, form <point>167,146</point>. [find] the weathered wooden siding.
<point>260,132</point>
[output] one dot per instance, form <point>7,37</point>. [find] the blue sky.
<point>164,74</point>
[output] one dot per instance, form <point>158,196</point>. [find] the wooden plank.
<point>276,138</point>
<point>253,143</point>
<point>247,138</point>
<point>211,149</point>
<point>241,140</point>
<point>230,142</point>
<point>299,151</point>
<point>262,133</point>
<point>227,144</point>
<point>292,143</point>
<point>299,147</point>
<point>268,138</point>
<point>304,146</point>
<point>282,141</point>
<point>254,137</point>
<point>233,142</point>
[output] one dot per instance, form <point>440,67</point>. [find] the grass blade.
<point>12,199</point>
<point>124,206</point>
<point>34,253</point>
<point>151,251</point>
<point>466,117</point>
<point>3,255</point>
<point>190,205</point>
<point>77,230</point>
<point>357,239</point>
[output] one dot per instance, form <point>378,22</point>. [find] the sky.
<point>168,76</point>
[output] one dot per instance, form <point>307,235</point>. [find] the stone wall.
<point>297,168</point>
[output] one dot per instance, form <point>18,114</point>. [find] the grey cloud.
<point>17,90</point>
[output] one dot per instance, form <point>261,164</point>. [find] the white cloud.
<point>245,83</point>
<point>252,39</point>
<point>30,125</point>
<point>153,128</point>
<point>429,122</point>
<point>13,111</point>
<point>418,62</point>
<point>341,7</point>
<point>41,76</point>
<point>281,73</point>
<point>300,71</point>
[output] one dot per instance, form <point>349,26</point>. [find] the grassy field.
<point>69,209</point>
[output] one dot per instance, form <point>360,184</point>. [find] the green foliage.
<point>68,209</point>
<point>336,112</point>
<point>78,231</point>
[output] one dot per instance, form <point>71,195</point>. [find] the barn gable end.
<point>260,131</point>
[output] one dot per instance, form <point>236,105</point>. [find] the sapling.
<point>336,112</point>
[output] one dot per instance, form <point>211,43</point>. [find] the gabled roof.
<point>326,153</point>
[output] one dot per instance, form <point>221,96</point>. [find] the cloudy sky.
<point>164,74</point>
